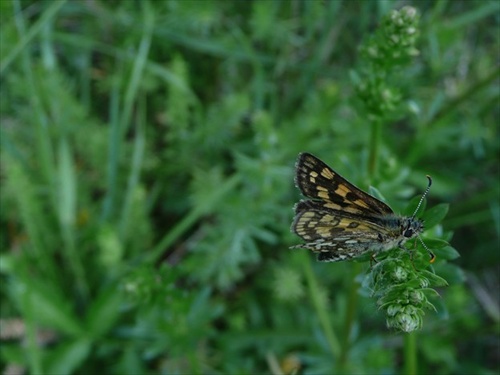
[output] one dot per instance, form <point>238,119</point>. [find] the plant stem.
<point>376,127</point>
<point>410,353</point>
<point>321,311</point>
<point>352,303</point>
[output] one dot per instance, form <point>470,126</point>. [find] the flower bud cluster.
<point>401,291</point>
<point>391,47</point>
<point>394,41</point>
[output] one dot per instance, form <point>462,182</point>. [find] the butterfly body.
<point>340,221</point>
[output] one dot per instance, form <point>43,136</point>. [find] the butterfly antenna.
<point>423,196</point>
<point>431,254</point>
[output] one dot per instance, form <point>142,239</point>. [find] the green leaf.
<point>45,305</point>
<point>440,306</point>
<point>451,272</point>
<point>434,279</point>
<point>435,215</point>
<point>67,357</point>
<point>412,206</point>
<point>14,355</point>
<point>104,312</point>
<point>66,186</point>
<point>130,362</point>
<point>447,252</point>
<point>374,192</point>
<point>435,243</point>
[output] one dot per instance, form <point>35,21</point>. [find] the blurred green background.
<point>147,184</point>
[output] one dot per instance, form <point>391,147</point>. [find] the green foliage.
<point>147,153</point>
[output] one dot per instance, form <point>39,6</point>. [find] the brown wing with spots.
<point>334,235</point>
<point>312,223</point>
<point>317,180</point>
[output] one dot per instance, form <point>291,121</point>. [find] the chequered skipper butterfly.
<point>340,221</point>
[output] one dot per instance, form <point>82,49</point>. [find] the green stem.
<point>410,353</point>
<point>352,303</point>
<point>321,310</point>
<point>376,127</point>
<point>356,267</point>
<point>32,348</point>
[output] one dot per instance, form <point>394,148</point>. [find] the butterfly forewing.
<point>317,180</point>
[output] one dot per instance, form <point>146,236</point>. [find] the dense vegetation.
<point>147,164</point>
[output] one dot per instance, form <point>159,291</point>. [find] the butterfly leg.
<point>410,253</point>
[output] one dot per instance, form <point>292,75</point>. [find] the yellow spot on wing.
<point>324,195</point>
<point>327,173</point>
<point>342,190</point>
<point>359,202</point>
<point>327,218</point>
<point>324,231</point>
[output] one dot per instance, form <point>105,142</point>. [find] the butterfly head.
<point>412,227</point>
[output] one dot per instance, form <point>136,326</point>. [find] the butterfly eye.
<point>408,233</point>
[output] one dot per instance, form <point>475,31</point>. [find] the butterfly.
<point>340,221</point>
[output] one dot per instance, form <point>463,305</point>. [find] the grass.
<point>147,154</point>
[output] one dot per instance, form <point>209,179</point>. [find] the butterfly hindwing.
<point>312,222</point>
<point>333,236</point>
